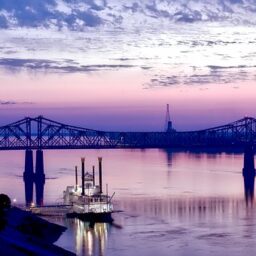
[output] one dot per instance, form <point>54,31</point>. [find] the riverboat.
<point>87,201</point>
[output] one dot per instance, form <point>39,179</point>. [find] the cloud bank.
<point>12,102</point>
<point>172,42</point>
<point>77,15</point>
<point>64,66</point>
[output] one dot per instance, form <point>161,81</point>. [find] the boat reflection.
<point>89,239</point>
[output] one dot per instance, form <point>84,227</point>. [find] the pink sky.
<point>121,100</point>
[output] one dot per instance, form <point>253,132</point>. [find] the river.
<point>171,202</point>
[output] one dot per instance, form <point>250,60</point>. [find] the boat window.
<point>88,185</point>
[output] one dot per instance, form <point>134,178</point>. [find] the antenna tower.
<point>168,122</point>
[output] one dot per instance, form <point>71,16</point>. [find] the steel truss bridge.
<point>42,133</point>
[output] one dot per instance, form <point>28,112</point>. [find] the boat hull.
<point>92,216</point>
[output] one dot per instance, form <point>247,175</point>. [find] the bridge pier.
<point>39,177</point>
<point>249,169</point>
<point>249,173</point>
<point>28,177</point>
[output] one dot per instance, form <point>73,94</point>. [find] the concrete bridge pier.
<point>28,177</point>
<point>39,177</point>
<point>249,173</point>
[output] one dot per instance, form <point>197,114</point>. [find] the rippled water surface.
<point>173,203</point>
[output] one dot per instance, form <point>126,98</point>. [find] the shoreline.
<point>24,233</point>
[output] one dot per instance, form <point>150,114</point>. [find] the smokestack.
<point>93,175</point>
<point>76,178</point>
<point>82,160</point>
<point>100,173</point>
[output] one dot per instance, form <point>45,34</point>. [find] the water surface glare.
<point>174,203</point>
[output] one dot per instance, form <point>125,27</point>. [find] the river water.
<point>172,202</point>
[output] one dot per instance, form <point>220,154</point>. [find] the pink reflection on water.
<point>138,173</point>
<point>168,199</point>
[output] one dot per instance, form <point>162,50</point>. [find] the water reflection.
<point>169,209</point>
<point>249,174</point>
<point>172,201</point>
<point>169,155</point>
<point>164,224</point>
<point>89,240</point>
<point>249,190</point>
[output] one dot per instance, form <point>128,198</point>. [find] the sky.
<point>114,65</point>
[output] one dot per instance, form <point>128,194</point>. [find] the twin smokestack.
<point>82,160</point>
<point>93,173</point>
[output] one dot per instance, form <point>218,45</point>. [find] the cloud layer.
<point>172,42</point>
<point>65,66</point>
<point>80,14</point>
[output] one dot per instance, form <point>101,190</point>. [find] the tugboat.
<point>87,201</point>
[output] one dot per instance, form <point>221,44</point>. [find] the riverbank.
<point>24,233</point>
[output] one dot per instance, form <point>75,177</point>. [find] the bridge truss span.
<point>43,133</point>
<point>236,133</point>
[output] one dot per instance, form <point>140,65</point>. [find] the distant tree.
<point>5,204</point>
